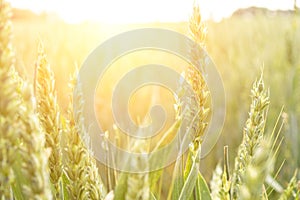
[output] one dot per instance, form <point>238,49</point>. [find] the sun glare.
<point>139,11</point>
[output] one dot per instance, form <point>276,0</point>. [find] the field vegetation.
<point>43,153</point>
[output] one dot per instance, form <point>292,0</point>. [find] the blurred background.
<point>243,37</point>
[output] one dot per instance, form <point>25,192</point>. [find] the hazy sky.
<point>122,11</point>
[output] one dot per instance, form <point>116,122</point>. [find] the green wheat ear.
<point>253,133</point>
<point>49,115</point>
<point>81,170</point>
<point>253,178</point>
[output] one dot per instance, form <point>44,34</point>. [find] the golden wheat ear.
<point>9,106</point>
<point>20,131</point>
<point>33,154</point>
<point>199,107</point>
<point>49,115</point>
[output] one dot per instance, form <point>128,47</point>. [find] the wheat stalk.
<point>49,115</point>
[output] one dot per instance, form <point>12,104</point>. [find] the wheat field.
<point>43,149</point>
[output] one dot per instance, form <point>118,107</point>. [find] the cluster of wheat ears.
<point>36,164</point>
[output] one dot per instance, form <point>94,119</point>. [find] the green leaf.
<point>190,182</point>
<point>121,187</point>
<point>155,175</point>
<point>188,166</point>
<point>190,174</point>
<point>156,182</point>
<point>178,172</point>
<point>177,187</point>
<point>202,191</point>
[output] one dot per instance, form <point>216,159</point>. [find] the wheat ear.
<point>9,104</point>
<point>216,182</point>
<point>253,132</point>
<point>33,153</point>
<point>49,115</point>
<point>81,169</point>
<point>199,99</point>
<point>262,164</point>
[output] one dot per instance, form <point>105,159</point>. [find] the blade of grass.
<point>202,190</point>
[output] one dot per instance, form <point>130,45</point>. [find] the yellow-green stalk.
<point>49,115</point>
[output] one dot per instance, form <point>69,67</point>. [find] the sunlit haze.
<point>137,11</point>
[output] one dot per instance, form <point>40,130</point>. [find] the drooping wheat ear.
<point>9,105</point>
<point>262,164</point>
<point>81,169</point>
<point>34,156</point>
<point>199,99</point>
<point>49,115</point>
<point>253,132</point>
<point>138,184</point>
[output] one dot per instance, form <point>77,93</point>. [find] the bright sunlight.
<point>137,11</point>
